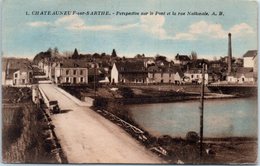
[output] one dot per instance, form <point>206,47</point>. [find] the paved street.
<point>87,137</point>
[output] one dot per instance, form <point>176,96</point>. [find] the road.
<point>87,137</point>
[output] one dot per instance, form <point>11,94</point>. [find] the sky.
<point>25,34</point>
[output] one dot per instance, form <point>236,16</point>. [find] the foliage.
<point>126,92</point>
<point>75,55</point>
<point>160,58</point>
<point>114,53</point>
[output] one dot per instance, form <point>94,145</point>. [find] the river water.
<point>222,117</point>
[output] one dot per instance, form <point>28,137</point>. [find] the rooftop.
<point>250,53</point>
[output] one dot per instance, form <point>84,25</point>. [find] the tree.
<point>114,53</point>
<point>193,56</point>
<point>140,56</point>
<point>95,55</point>
<point>67,54</point>
<point>103,55</point>
<point>160,58</point>
<point>56,51</point>
<point>49,50</point>
<point>75,55</point>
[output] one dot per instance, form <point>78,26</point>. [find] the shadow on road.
<point>65,111</point>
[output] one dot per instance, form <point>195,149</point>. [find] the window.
<point>67,72</point>
<point>197,76</point>
<point>153,75</point>
<point>170,74</point>
<point>81,79</point>
<point>74,72</point>
<point>81,72</point>
<point>15,75</point>
<point>23,81</point>
<point>67,79</point>
<point>161,80</point>
<point>192,76</point>
<point>161,74</point>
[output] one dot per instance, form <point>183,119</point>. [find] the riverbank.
<point>25,130</point>
<point>126,94</point>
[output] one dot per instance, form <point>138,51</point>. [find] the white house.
<point>129,72</point>
<point>241,78</point>
<point>249,58</point>
<point>165,74</point>
<point>195,76</point>
<point>16,71</point>
<point>72,72</point>
<point>23,76</point>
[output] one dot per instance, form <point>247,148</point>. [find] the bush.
<point>192,137</point>
<point>100,102</point>
<point>126,92</point>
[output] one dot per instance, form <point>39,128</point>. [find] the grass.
<point>23,141</point>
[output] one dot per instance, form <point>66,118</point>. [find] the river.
<point>222,117</point>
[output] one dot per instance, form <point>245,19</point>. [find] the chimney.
<point>229,54</point>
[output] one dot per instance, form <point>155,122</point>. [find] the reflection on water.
<point>222,117</point>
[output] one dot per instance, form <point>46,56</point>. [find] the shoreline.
<point>169,99</point>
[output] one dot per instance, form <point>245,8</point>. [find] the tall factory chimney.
<point>229,54</point>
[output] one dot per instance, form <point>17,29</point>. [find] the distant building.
<point>195,76</point>
<point>241,78</point>
<point>129,72</point>
<point>16,71</point>
<point>250,58</point>
<point>165,74</point>
<point>242,75</point>
<point>23,76</point>
<point>71,72</point>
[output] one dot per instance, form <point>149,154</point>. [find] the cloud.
<point>38,24</point>
<point>207,29</point>
<point>153,25</point>
<point>74,22</point>
<point>241,29</point>
<point>215,31</point>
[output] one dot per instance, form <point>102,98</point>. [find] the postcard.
<point>129,82</point>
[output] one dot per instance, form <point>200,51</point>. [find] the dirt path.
<point>87,137</point>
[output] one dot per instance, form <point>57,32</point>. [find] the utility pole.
<point>201,110</point>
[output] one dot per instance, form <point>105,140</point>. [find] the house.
<point>71,71</point>
<point>195,76</point>
<point>242,78</point>
<point>242,75</point>
<point>165,74</point>
<point>181,59</point>
<point>23,76</point>
<point>129,72</point>
<point>16,71</point>
<point>249,58</point>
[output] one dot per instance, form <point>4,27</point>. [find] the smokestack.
<point>229,54</point>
